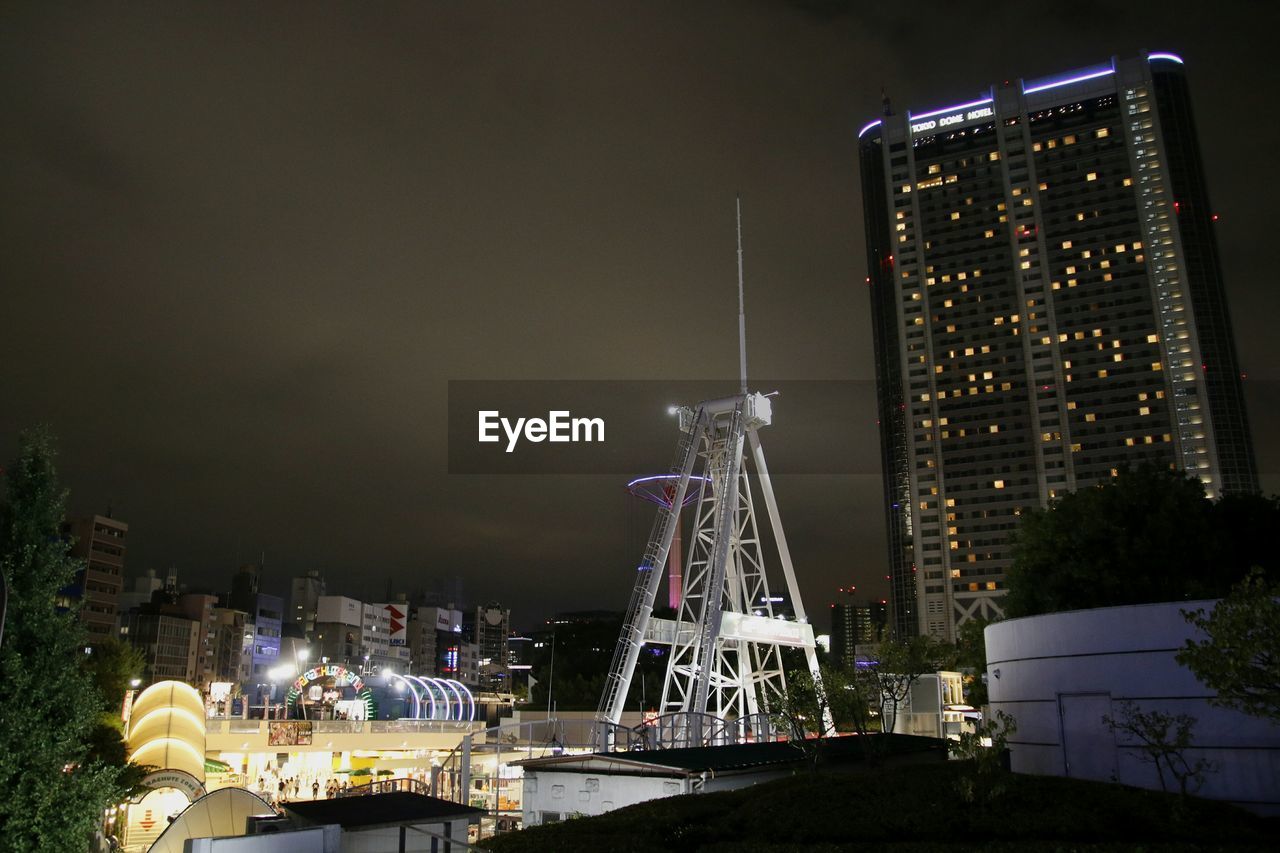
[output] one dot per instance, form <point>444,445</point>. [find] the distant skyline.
<point>247,247</point>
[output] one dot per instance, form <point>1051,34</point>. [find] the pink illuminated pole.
<point>660,489</point>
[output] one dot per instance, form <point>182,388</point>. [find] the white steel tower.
<point>726,641</point>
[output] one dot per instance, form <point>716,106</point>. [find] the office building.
<point>435,635</point>
<point>339,631</point>
<point>99,542</point>
<point>855,622</point>
<point>488,627</point>
<point>304,595</point>
<point>1048,307</point>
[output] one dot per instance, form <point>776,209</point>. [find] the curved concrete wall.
<point>1060,673</point>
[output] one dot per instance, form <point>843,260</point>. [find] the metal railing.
<point>685,730</point>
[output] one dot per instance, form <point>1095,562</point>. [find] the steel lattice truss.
<point>726,642</point>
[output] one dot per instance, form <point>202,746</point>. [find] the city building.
<point>1048,307</point>
<point>433,633</point>
<point>854,622</point>
<point>488,629</point>
<point>266,613</point>
<point>304,597</point>
<point>99,541</point>
<point>141,591</point>
<point>231,636</point>
<point>339,631</point>
<point>199,608</point>
<point>168,640</point>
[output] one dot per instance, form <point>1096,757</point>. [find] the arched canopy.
<point>167,729</point>
<point>168,694</point>
<point>221,813</point>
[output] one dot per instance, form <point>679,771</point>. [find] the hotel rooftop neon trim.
<point>1041,85</point>
<point>912,116</point>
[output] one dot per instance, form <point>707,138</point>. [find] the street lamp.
<point>126,711</point>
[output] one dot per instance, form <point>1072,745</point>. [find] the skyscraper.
<point>854,622</point>
<point>1048,307</point>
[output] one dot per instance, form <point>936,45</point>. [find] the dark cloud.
<point>246,247</point>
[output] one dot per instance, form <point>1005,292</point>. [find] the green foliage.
<point>55,790</point>
<point>1147,535</point>
<point>1161,739</point>
<point>1240,658</point>
<point>983,749</point>
<point>112,666</point>
<point>898,665</point>
<point>803,709</point>
<point>971,659</point>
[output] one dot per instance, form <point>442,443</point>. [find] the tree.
<point>112,666</point>
<point>971,659</point>
<point>984,749</point>
<point>1146,535</point>
<point>898,665</point>
<point>1240,657</point>
<point>54,794</point>
<point>1163,740</point>
<point>803,708</point>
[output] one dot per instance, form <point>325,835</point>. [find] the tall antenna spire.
<point>742,316</point>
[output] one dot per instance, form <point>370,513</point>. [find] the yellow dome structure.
<point>167,728</point>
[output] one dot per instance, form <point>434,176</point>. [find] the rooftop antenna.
<point>742,317</point>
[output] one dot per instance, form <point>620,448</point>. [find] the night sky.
<point>245,248</point>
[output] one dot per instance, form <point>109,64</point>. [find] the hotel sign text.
<point>951,119</point>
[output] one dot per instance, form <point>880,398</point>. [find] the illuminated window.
<point>1102,374</point>
<point>1070,139</point>
<point>1128,182</point>
<point>1101,132</point>
<point>1026,202</point>
<point>1092,176</point>
<point>1066,244</point>
<point>994,155</point>
<point>1144,410</point>
<point>1118,357</point>
<point>1153,339</point>
<point>999,484</point>
<point>1090,417</point>
<point>955,214</point>
<point>935,169</point>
